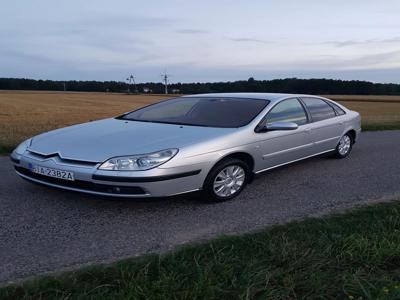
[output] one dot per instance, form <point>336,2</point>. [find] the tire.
<point>237,174</point>
<point>344,146</point>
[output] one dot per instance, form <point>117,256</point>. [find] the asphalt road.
<point>44,230</point>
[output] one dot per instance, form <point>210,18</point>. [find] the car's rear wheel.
<point>344,146</point>
<point>226,180</point>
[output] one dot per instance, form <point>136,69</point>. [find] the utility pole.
<point>165,77</point>
<point>131,80</point>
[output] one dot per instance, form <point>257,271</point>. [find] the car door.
<point>284,146</point>
<point>326,126</point>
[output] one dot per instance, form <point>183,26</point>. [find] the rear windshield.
<point>201,111</point>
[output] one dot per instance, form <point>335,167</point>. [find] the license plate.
<point>53,173</point>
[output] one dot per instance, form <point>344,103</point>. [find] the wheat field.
<point>26,113</point>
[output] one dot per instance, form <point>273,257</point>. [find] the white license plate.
<point>53,173</point>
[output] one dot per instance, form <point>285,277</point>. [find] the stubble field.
<point>26,113</point>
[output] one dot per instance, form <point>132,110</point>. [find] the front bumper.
<point>158,182</point>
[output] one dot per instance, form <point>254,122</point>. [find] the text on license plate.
<point>53,173</point>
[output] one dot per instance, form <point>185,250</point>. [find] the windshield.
<point>201,111</point>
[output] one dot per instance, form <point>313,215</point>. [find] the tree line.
<point>288,85</point>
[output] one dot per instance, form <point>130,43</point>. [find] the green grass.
<point>380,126</point>
<point>355,255</point>
<point>6,149</point>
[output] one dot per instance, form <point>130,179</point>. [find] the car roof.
<point>265,96</point>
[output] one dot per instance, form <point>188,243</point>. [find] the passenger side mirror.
<point>280,126</point>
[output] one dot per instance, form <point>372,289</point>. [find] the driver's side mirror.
<point>280,126</point>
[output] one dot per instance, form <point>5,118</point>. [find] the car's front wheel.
<point>344,146</point>
<point>226,180</point>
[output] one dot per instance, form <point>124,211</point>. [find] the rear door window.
<point>289,110</point>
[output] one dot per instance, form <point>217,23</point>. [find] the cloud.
<point>247,40</point>
<point>377,59</point>
<point>191,31</point>
<point>346,43</point>
<point>112,40</point>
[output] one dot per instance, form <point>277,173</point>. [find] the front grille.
<point>64,160</point>
<point>84,185</point>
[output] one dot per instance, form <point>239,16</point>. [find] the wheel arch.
<point>353,134</point>
<point>241,155</point>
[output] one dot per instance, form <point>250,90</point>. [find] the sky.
<point>200,41</point>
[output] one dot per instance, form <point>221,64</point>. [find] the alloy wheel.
<point>229,181</point>
<point>344,145</point>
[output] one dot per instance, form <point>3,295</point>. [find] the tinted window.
<point>288,111</point>
<point>319,109</point>
<point>201,111</point>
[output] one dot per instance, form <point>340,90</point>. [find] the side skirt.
<point>273,167</point>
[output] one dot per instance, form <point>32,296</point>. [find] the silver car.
<point>210,142</point>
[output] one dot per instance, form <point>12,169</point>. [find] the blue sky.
<point>200,40</point>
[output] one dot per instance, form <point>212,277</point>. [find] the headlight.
<point>22,147</point>
<point>138,162</point>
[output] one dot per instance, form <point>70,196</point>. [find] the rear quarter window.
<point>319,109</point>
<point>337,108</point>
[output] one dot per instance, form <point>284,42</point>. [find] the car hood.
<point>100,140</point>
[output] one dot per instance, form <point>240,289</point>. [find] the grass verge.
<point>355,255</point>
<point>6,149</point>
<point>381,126</point>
